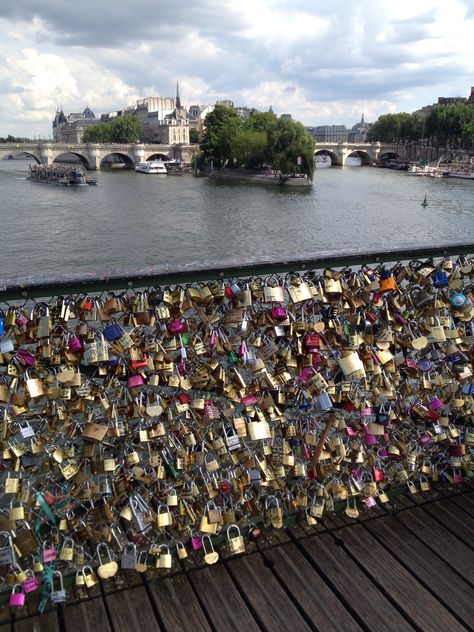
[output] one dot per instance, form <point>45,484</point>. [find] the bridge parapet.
<point>92,154</point>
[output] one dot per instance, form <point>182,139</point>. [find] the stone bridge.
<point>92,155</point>
<point>369,153</point>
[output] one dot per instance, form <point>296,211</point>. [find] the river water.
<point>132,222</point>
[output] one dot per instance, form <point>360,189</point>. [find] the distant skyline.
<point>322,62</point>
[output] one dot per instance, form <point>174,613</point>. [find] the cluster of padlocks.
<point>136,426</point>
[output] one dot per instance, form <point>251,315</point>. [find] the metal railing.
<point>162,275</point>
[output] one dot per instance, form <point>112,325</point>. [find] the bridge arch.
<point>389,155</point>
<point>19,152</point>
<point>117,158</point>
<point>84,161</point>
<point>157,156</point>
<point>365,157</point>
<point>335,159</point>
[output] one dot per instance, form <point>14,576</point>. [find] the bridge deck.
<point>406,566</point>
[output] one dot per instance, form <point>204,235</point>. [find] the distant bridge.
<point>369,153</point>
<point>92,155</point>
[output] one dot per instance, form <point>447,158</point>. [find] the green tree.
<point>221,126</point>
<point>99,133</point>
<point>123,129</point>
<point>248,148</point>
<point>193,136</point>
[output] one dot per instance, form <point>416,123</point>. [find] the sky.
<point>324,62</point>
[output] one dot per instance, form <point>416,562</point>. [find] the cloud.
<point>320,61</point>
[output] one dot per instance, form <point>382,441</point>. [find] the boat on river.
<point>59,174</point>
<point>151,166</point>
<point>464,170</point>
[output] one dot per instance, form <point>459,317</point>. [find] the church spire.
<point>362,119</point>
<point>178,100</point>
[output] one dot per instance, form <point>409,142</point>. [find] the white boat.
<point>151,166</point>
<point>459,170</point>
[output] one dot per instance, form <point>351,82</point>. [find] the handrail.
<point>165,275</point>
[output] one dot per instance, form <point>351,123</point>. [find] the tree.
<point>99,133</point>
<point>248,148</point>
<point>221,126</point>
<point>123,129</point>
<point>193,136</point>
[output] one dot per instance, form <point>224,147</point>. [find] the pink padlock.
<point>21,320</point>
<point>249,400</point>
<point>311,340</point>
<point>134,381</point>
<point>196,542</point>
<point>366,412</point>
<point>75,344</point>
<point>425,439</point>
<point>17,597</point>
<point>370,439</point>
<point>436,403</point>
<point>26,357</point>
<point>49,555</point>
<point>30,584</point>
<point>278,313</point>
<point>370,502</point>
<point>306,373</point>
<point>177,326</point>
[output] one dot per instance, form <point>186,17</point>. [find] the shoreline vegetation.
<point>268,176</point>
<point>261,142</point>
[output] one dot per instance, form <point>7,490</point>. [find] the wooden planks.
<point>452,591</point>
<point>465,501</point>
<point>221,599</point>
<point>47,622</point>
<point>440,540</point>
<point>453,518</point>
<point>303,583</point>
<point>353,586</point>
<point>131,610</point>
<point>398,583</point>
<point>87,616</point>
<point>177,605</point>
<point>269,602</point>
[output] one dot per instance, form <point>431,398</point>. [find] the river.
<point>134,221</point>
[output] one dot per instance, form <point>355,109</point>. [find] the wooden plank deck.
<point>407,566</point>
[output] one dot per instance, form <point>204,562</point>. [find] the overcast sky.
<point>322,61</point>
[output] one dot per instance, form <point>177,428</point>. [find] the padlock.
<point>128,561</point>
<point>66,552</point>
<point>90,578</point>
<point>210,555</point>
<point>164,516</point>
<point>17,596</point>
<point>58,594</point>
<point>107,567</point>
<point>164,559</point>
<point>235,543</point>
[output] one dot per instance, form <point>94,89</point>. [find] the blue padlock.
<point>440,279</point>
<point>112,331</point>
<point>2,328</point>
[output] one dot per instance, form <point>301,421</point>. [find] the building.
<point>358,133</point>
<point>196,117</point>
<point>329,133</point>
<point>69,129</point>
<point>286,117</point>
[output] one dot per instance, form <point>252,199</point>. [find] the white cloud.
<point>323,62</point>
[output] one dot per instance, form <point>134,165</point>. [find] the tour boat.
<point>459,170</point>
<point>322,161</point>
<point>151,166</point>
<point>60,174</point>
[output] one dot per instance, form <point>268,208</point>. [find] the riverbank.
<point>268,177</point>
